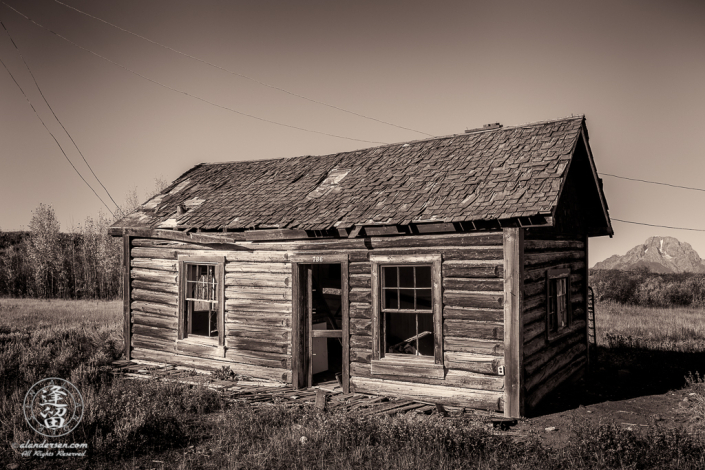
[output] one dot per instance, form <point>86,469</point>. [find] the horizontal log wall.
<point>257,309</point>
<point>548,363</point>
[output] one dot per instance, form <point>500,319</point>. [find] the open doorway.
<point>320,349</point>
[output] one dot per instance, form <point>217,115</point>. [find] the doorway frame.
<point>301,335</point>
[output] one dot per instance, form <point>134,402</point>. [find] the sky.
<point>635,69</point>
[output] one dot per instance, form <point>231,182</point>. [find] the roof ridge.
<point>428,139</point>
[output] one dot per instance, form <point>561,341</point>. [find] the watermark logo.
<point>53,407</point>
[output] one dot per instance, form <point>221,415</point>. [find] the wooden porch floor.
<point>328,395</point>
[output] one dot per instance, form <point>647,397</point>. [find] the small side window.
<point>558,314</point>
<point>201,299</point>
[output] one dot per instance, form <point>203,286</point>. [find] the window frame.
<point>381,357</point>
<point>553,275</point>
<point>184,262</point>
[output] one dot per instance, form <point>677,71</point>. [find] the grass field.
<point>131,424</point>
<point>664,329</point>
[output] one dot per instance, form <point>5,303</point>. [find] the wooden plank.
<point>157,264</point>
<point>452,396</point>
<point>513,325</point>
<point>231,280</point>
<point>376,320</point>
<point>477,363</point>
<point>327,333</point>
<point>449,253</point>
<point>298,326</point>
<point>540,358</point>
<point>532,330</point>
<point>536,274</point>
<point>160,333</point>
<point>278,363</point>
<point>275,234</point>
<point>276,294</point>
<point>259,334</point>
<point>155,297</point>
<point>272,319</point>
<point>473,284</point>
<point>471,329</point>
<point>173,244</point>
<point>257,256</point>
<point>200,350</point>
<point>360,310</point>
<point>534,314</point>
<point>382,230</point>
<point>472,299</point>
<point>360,281</point>
<point>360,355</point>
<point>360,326</point>
<point>157,321</point>
<point>259,305</point>
<point>155,253</point>
<point>155,286</point>
<point>345,310</point>
<point>358,341</point>
<point>451,270</point>
<point>470,345</point>
<point>535,345</point>
<point>477,314</point>
<point>553,245</point>
<point>284,268</point>
<point>126,295</point>
<point>150,342</point>
<point>435,227</point>
<point>406,368</point>
<point>453,378</point>
<point>153,308</point>
<point>360,295</point>
<point>535,259</point>
<point>246,344</point>
<point>437,312</point>
<point>279,375</point>
<point>153,275</point>
<point>359,268</point>
<point>424,241</point>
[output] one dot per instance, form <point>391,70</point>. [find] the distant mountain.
<point>660,255</point>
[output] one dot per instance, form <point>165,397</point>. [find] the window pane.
<point>390,299</point>
<point>390,276</point>
<point>399,328</point>
<point>426,342</point>
<point>406,299</point>
<point>406,276</point>
<point>423,276</point>
<point>423,299</point>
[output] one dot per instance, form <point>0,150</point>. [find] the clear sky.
<point>636,69</point>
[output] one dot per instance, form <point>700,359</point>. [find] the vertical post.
<point>127,295</point>
<point>297,347</point>
<point>344,287</point>
<point>437,311</point>
<point>513,324</point>
<point>309,324</point>
<point>376,315</point>
<point>586,293</point>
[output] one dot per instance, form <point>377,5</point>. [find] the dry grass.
<point>35,313</point>
<point>664,329</point>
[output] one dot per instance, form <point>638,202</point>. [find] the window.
<point>558,307</point>
<point>201,296</point>
<point>406,311</point>
<point>407,303</point>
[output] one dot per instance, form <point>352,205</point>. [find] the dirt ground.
<point>631,388</point>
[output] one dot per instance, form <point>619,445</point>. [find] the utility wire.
<point>53,137</point>
<point>184,92</point>
<point>55,116</point>
<point>273,87</point>
<point>661,226</point>
<point>653,182</point>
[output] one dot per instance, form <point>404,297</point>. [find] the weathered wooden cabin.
<point>451,270</point>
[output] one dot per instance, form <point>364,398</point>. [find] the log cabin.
<point>450,270</point>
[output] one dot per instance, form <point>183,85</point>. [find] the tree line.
<point>83,263</point>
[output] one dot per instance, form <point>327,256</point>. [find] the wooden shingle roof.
<point>486,175</point>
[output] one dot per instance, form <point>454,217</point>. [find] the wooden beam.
<point>345,304</point>
<point>435,228</point>
<point>383,230</point>
<point>513,325</point>
<point>127,295</point>
<point>203,237</point>
<point>276,234</point>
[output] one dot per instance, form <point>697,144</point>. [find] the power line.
<point>184,92</point>
<point>53,137</point>
<point>653,182</point>
<point>660,226</point>
<point>259,82</point>
<point>55,116</point>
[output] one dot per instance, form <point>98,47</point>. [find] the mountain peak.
<point>660,255</point>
